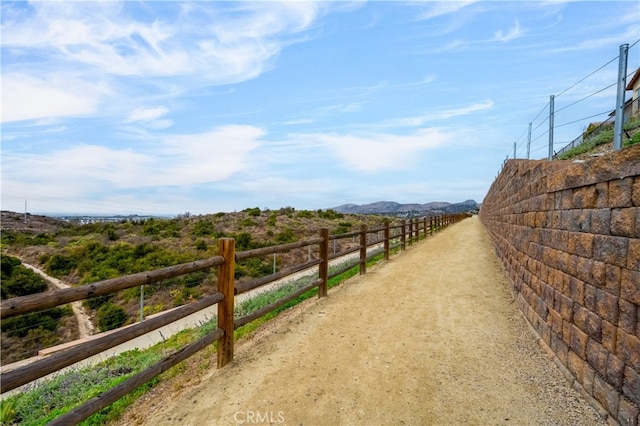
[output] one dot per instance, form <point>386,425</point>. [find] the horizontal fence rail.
<point>371,242</point>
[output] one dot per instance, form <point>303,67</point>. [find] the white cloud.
<point>147,114</point>
<point>182,46</point>
<point>630,34</point>
<point>512,34</point>
<point>207,157</point>
<point>441,115</point>
<point>197,41</point>
<point>26,97</point>
<point>92,170</point>
<point>439,8</point>
<point>378,152</point>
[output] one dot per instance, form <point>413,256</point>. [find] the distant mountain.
<point>393,208</point>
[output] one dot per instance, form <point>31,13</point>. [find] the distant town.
<point>84,219</point>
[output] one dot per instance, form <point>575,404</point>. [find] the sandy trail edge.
<point>431,337</point>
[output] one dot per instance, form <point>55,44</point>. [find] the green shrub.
<point>21,325</point>
<point>22,282</point>
<point>286,236</point>
<point>110,317</point>
<point>60,265</point>
<point>203,228</point>
<point>97,302</point>
<point>247,222</point>
<point>330,214</point>
<point>273,217</point>
<point>201,245</point>
<point>253,212</point>
<point>16,280</point>
<point>7,265</point>
<point>305,214</point>
<point>634,140</point>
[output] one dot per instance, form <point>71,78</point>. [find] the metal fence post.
<point>622,82</point>
<point>551,111</point>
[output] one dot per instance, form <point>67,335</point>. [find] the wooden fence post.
<point>425,226</point>
<point>417,230</point>
<point>363,249</point>
<point>323,271</point>
<point>410,232</point>
<point>403,236</point>
<point>386,240</point>
<point>226,272</point>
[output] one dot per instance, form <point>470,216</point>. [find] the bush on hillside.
<point>110,317</point>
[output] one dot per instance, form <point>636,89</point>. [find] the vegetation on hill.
<point>81,254</point>
<point>602,140</point>
<point>25,335</point>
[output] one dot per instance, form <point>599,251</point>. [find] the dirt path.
<point>432,337</point>
<point>85,326</point>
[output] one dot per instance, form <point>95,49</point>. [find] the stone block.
<point>556,279</point>
<point>579,341</point>
<point>598,273</point>
<point>584,268</point>
<point>572,266</point>
<point>630,286</point>
<point>615,371</point>
<point>607,306</point>
<point>587,379</point>
<point>631,385</point>
<point>555,219</point>
<point>597,357</point>
<point>590,297</point>
<point>620,191</point>
<point>585,197</point>
<point>576,289</point>
<point>555,321</point>
<point>627,349</point>
<point>609,336</point>
<point>602,392</point>
<point>575,364</point>
<point>566,308</point>
<point>612,277</point>
<point>567,200</point>
<point>623,222</point>
<point>566,332</point>
<point>602,194</point>
<point>601,221</point>
<point>628,316</point>
<point>547,295</point>
<point>609,249</point>
<point>633,254</point>
<point>588,322</point>
<point>635,196</point>
<point>627,413</point>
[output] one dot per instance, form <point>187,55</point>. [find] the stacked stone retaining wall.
<point>568,234</point>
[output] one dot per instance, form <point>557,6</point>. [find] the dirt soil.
<point>431,337</point>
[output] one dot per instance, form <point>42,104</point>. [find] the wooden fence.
<point>384,239</point>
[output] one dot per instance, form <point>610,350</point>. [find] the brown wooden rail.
<point>389,237</point>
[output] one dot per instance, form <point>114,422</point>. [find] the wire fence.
<point>581,111</point>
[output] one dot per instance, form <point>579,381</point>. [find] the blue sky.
<point>166,108</point>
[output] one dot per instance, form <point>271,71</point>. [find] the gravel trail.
<point>432,337</point>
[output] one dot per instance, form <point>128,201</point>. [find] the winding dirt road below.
<point>85,326</point>
<point>431,337</point>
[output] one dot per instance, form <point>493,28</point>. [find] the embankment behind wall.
<point>568,235</point>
